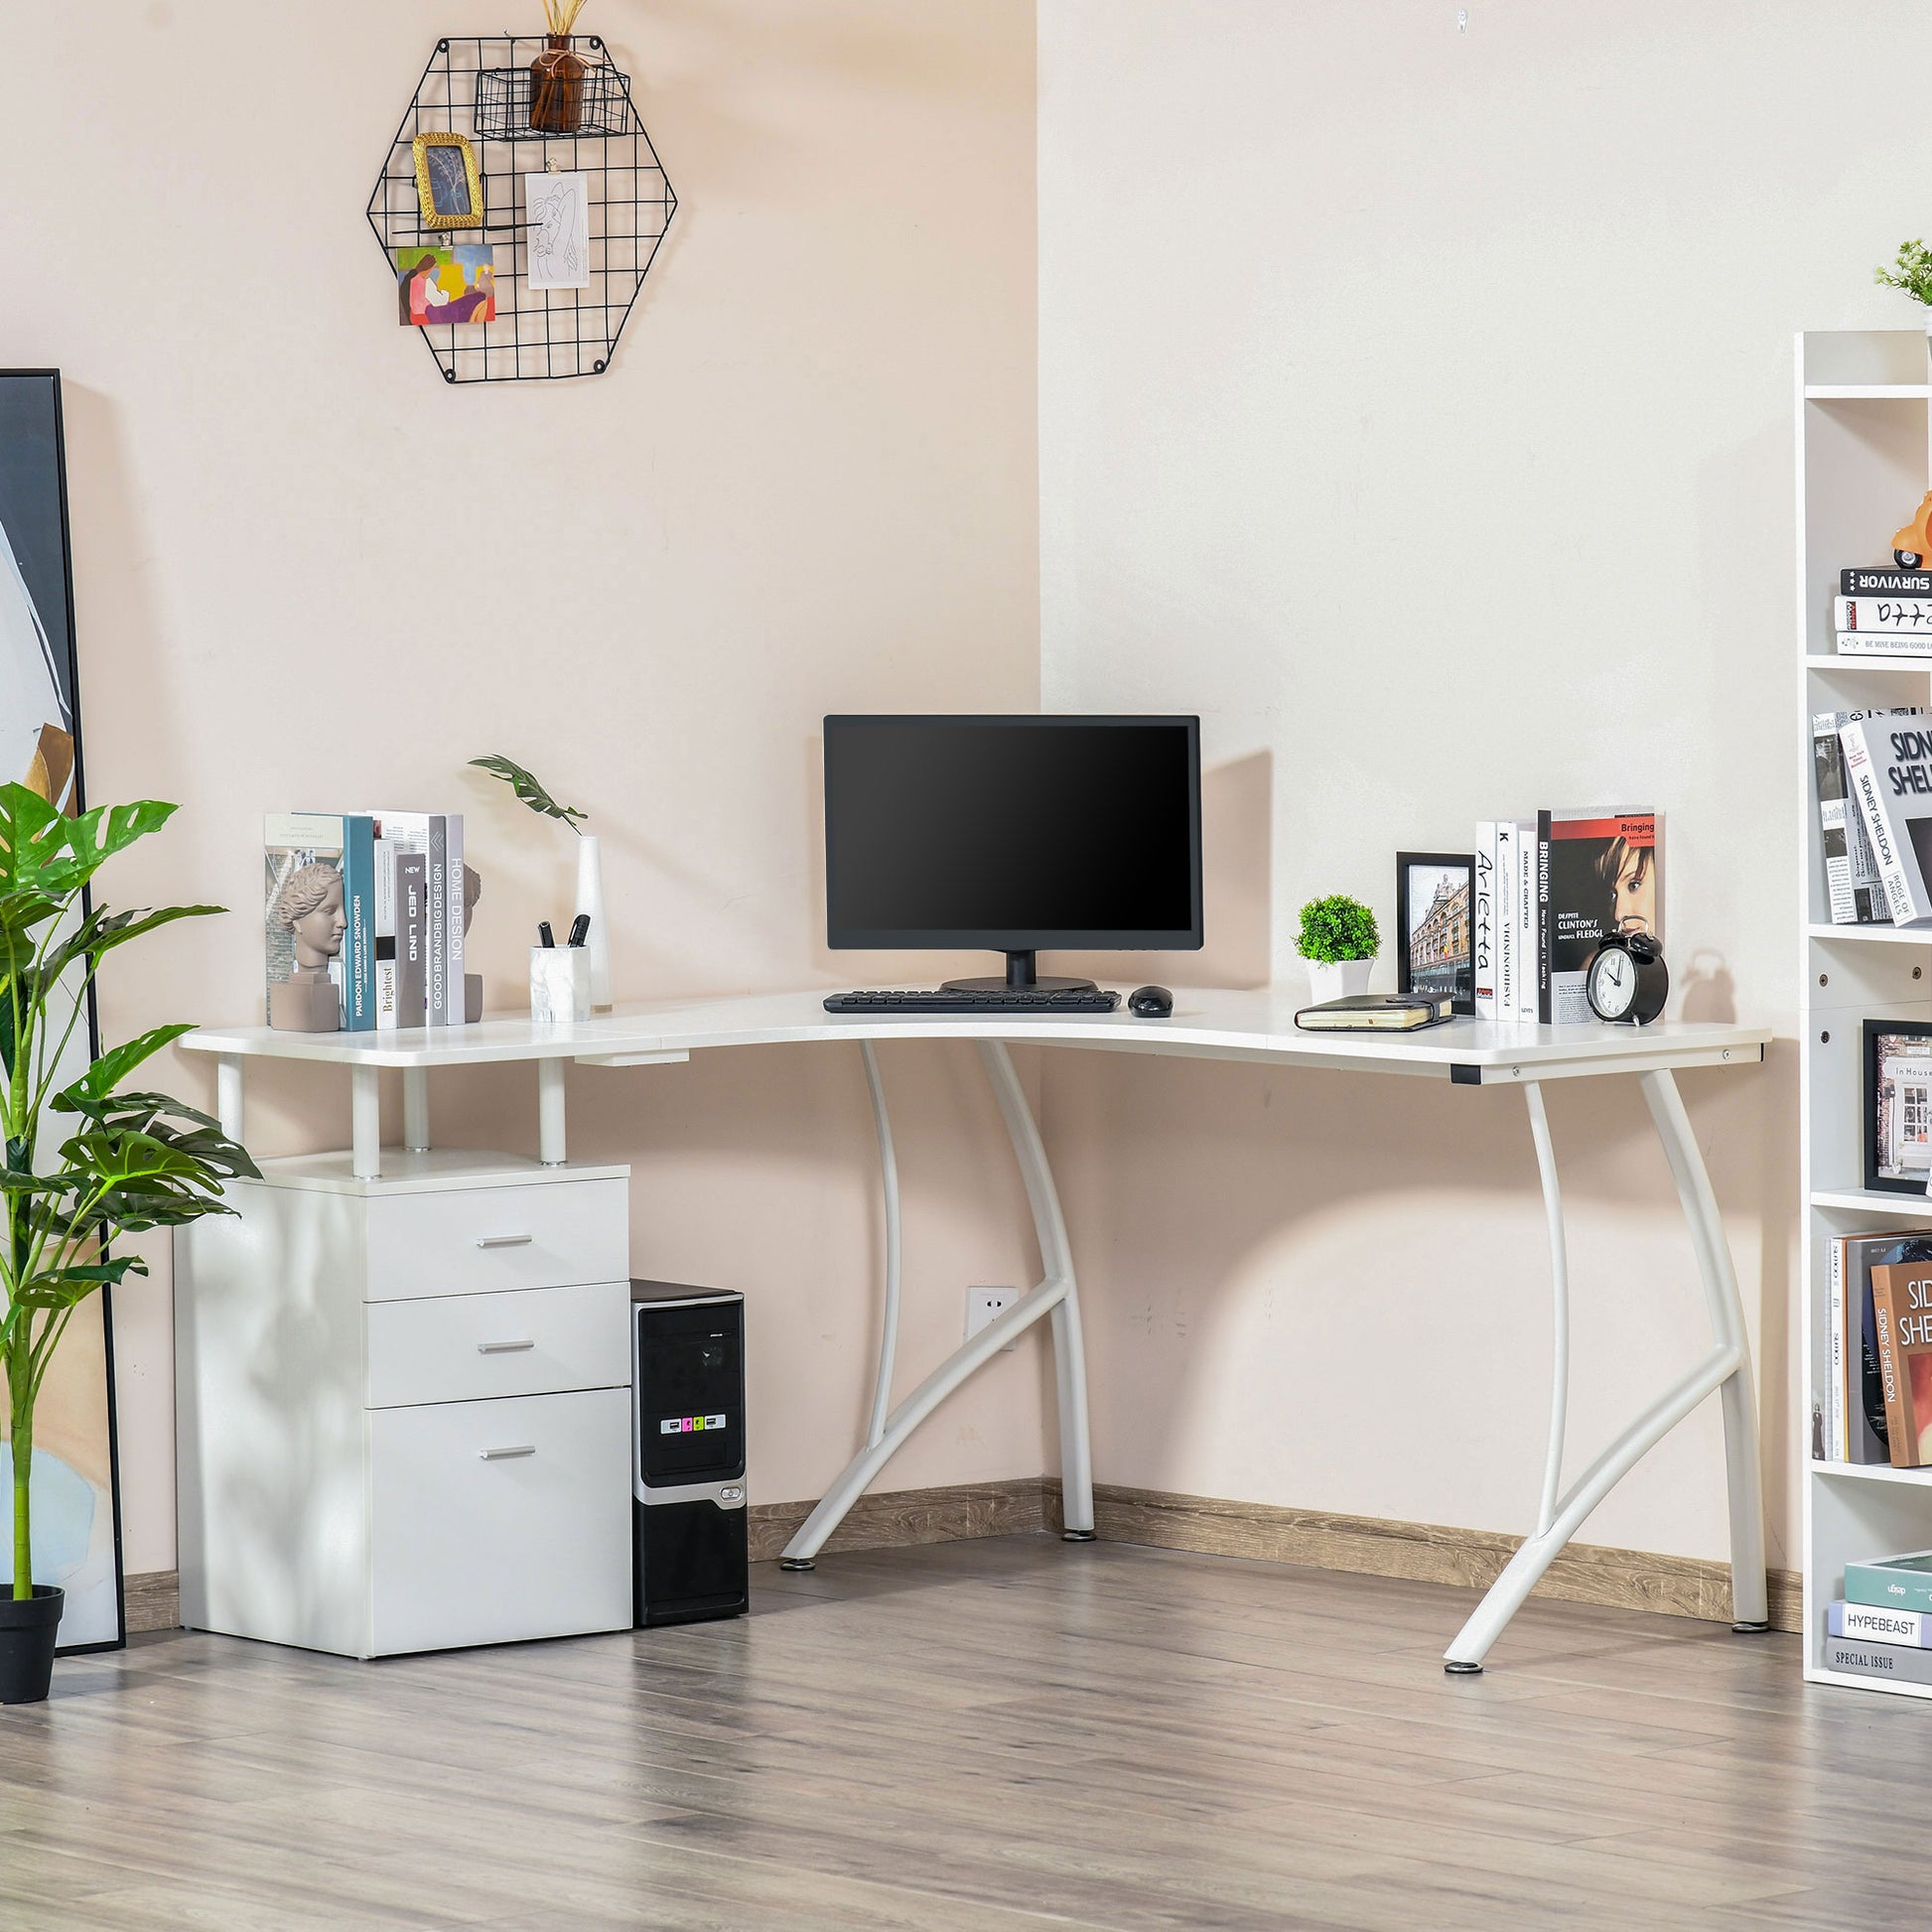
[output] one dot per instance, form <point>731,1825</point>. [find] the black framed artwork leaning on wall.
<point>75,1485</point>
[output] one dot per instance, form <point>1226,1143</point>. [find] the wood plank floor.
<point>978,1737</point>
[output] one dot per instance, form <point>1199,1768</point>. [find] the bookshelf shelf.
<point>1873,1472</point>
<point>1826,661</point>
<point>1879,935</point>
<point>1867,391</point>
<point>1861,472</point>
<point>1872,1201</point>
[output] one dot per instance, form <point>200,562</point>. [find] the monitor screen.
<point>1012,832</point>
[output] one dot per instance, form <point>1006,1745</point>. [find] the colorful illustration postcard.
<point>434,286</point>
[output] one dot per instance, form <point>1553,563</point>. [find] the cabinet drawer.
<point>523,1342</point>
<point>474,1241</point>
<point>490,1522</point>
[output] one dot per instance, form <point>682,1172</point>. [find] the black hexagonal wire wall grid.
<point>481,87</point>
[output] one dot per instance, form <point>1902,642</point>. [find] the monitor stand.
<point>1021,978</point>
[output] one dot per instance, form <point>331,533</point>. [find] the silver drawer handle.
<point>504,1454</point>
<point>505,1241</point>
<point>504,1347</point>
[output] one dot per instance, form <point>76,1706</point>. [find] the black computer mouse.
<point>1149,1003</point>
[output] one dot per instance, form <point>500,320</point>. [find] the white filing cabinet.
<point>402,1406</point>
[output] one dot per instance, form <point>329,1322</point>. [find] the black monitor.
<point>1015,834</point>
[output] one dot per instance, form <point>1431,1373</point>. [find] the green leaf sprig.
<point>529,790</point>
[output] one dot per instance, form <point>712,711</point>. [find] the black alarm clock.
<point>1627,979</point>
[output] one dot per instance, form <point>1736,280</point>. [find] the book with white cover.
<point>1484,923</point>
<point>1888,772</point>
<point>1529,931</point>
<point>1854,893</point>
<point>1509,956</point>
<point>385,935</point>
<point>452,917</point>
<point>1874,1623</point>
<point>1883,613</point>
<point>1884,643</point>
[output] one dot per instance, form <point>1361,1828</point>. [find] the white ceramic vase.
<point>1336,982</point>
<point>590,899</point>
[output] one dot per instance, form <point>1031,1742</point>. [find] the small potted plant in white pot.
<point>130,1160</point>
<point>1338,941</point>
<point>1912,272</point>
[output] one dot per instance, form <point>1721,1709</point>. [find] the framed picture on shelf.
<point>448,190</point>
<point>1436,943</point>
<point>1898,1125</point>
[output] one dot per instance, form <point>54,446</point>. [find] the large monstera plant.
<point>92,1159</point>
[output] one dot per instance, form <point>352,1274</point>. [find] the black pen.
<point>545,938</point>
<point>580,930</point>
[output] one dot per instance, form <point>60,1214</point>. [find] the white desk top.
<point>1205,1024</point>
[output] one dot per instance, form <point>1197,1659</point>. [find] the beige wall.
<point>308,575</point>
<point>1416,405</point>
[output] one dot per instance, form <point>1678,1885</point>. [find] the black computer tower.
<point>687,1407</point>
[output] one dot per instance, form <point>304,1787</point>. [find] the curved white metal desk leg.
<point>881,1126</point>
<point>1749,1597</point>
<point>1056,1262</point>
<point>1052,1294</point>
<point>1545,1167</point>
<point>1726,1367</point>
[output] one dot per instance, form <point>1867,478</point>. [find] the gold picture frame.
<point>437,183</point>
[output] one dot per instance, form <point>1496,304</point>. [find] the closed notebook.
<point>1377,1012</point>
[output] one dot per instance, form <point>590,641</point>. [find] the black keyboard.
<point>1007,1000</point>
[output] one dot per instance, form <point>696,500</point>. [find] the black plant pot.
<point>27,1628</point>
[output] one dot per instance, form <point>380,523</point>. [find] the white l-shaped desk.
<point>1221,1026</point>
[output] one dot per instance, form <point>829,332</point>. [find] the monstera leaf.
<point>528,789</point>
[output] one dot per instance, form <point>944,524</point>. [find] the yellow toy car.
<point>1913,545</point>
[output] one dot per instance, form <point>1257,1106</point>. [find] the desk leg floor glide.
<point>1055,1296</point>
<point>1726,1369</point>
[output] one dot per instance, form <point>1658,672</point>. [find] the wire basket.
<point>504,104</point>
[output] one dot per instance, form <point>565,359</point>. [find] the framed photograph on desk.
<point>1435,893</point>
<point>1897,1124</point>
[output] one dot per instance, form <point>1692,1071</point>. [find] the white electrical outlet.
<point>983,1305</point>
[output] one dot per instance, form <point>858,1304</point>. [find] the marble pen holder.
<point>560,983</point>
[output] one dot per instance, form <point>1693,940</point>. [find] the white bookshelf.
<point>1863,402</point>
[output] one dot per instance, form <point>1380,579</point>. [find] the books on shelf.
<point>1884,643</point>
<point>1889,774</point>
<point>1901,1300</point>
<point>1899,1662</point>
<point>1886,615</point>
<point>437,837</point>
<point>1856,1424</point>
<point>1888,580</point>
<point>1854,895</point>
<point>1869,1623</point>
<point>394,883</point>
<point>1892,1583</point>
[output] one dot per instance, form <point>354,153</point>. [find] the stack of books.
<point>1882,1626</point>
<point>1854,890</point>
<point>1548,888</point>
<point>1878,1397</point>
<point>1884,614</point>
<point>403,905</point>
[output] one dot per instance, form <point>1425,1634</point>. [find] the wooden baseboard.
<point>1585,1573</point>
<point>898,1517</point>
<point>153,1600</point>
